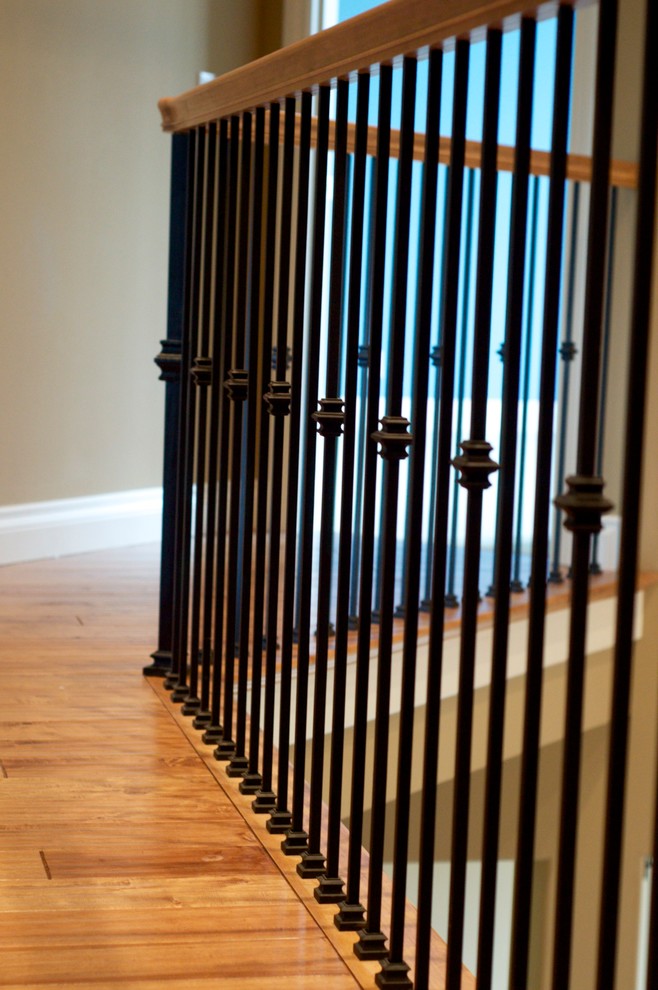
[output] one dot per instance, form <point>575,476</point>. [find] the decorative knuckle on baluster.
<point>237,384</point>
<point>475,465</point>
<point>202,371</point>
<point>394,438</point>
<point>568,350</point>
<point>169,360</point>
<point>278,398</point>
<point>436,355</point>
<point>330,417</point>
<point>363,356</point>
<point>583,504</point>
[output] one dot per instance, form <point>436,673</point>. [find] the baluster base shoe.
<point>313,865</point>
<point>264,802</point>
<point>279,822</point>
<point>330,890</point>
<point>371,945</point>
<point>161,666</point>
<point>295,843</point>
<point>394,974</point>
<point>212,735</point>
<point>237,767</point>
<point>250,783</point>
<point>350,918</point>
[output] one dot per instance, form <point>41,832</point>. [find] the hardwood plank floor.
<point>122,861</point>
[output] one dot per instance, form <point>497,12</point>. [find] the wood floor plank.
<point>219,958</point>
<point>294,981</point>
<point>122,861</point>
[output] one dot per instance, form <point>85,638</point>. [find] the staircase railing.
<point>335,305</point>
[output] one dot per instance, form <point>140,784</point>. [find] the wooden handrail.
<point>380,35</point>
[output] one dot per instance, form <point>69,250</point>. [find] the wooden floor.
<point>122,860</point>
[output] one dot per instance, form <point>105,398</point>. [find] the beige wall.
<point>84,176</point>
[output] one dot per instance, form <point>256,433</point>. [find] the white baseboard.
<point>36,530</point>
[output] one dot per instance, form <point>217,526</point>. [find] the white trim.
<point>35,530</point>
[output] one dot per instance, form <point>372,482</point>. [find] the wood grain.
<point>380,35</point>
<point>121,860</point>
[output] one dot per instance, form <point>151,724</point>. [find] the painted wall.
<point>84,176</point>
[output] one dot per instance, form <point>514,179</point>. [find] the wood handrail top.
<point>378,36</point>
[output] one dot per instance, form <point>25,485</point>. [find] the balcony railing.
<point>347,459</point>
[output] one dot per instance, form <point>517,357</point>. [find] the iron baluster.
<point>169,363</point>
<point>329,418</point>
<point>584,502</point>
<point>219,435</point>
<point>636,396</point>
<point>448,336</point>
<point>277,399</point>
<point>394,440</point>
<point>296,838</point>
<point>522,494</point>
<point>248,316</point>
<point>330,887</point>
<point>201,376</point>
<point>351,915</point>
<point>280,818</point>
<point>180,689</point>
<point>567,353</point>
<point>451,600</point>
<point>394,969</point>
<point>594,566</point>
<point>363,362</point>
<point>523,878</point>
<point>235,385</point>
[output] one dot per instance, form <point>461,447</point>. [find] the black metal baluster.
<point>330,887</point>
<point>253,780</point>
<point>394,439</point>
<point>277,400</point>
<point>201,375</point>
<point>351,915</point>
<point>251,306</point>
<point>451,600</point>
<point>362,360</point>
<point>219,433</point>
<point>203,717</point>
<point>595,567</point>
<point>523,877</point>
<point>330,418</point>
<point>645,252</point>
<point>394,969</point>
<point>237,385</point>
<point>567,354</point>
<point>188,428</point>
<point>169,363</point>
<point>172,678</point>
<point>505,516</point>
<point>280,819</point>
<point>448,336</point>
<point>364,363</point>
<point>233,389</point>
<point>436,359</point>
<point>475,465</point>
<point>296,838</point>
<point>426,600</point>
<point>584,502</point>
<point>522,493</point>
